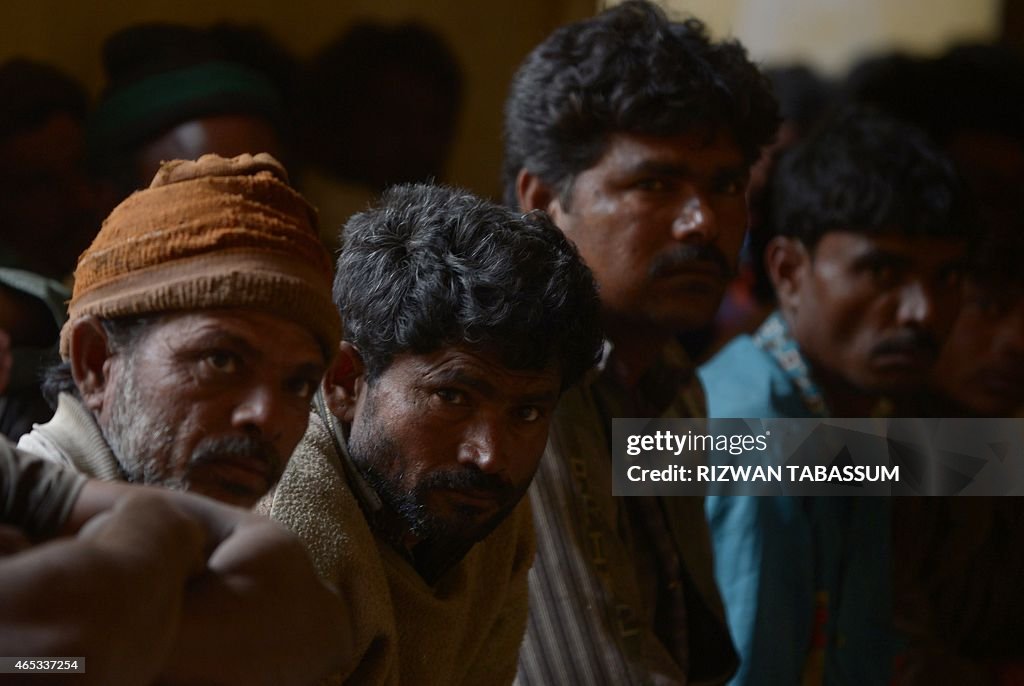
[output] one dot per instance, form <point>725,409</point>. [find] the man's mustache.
<point>908,342</point>
<point>685,256</point>
<point>240,447</point>
<point>470,480</point>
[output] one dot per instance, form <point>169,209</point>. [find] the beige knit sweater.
<point>73,439</point>
<point>466,629</point>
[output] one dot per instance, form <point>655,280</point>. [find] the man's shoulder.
<point>314,500</point>
<point>313,467</point>
<point>740,358</point>
<point>577,430</point>
<point>39,442</point>
<point>742,381</point>
<point>73,439</point>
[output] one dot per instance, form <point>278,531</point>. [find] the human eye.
<point>451,396</point>
<point>730,184</point>
<point>221,361</point>
<point>529,413</point>
<point>651,184</point>
<point>883,271</point>
<point>303,386</point>
<point>883,274</point>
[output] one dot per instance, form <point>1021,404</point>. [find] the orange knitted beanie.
<point>214,233</point>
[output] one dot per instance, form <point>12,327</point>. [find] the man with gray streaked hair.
<point>199,327</point>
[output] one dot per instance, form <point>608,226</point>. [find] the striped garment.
<point>622,589</point>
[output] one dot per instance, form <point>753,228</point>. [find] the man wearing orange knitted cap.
<point>199,327</point>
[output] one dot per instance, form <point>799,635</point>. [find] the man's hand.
<point>238,591</point>
<point>260,615</point>
<point>113,594</point>
<point>257,613</point>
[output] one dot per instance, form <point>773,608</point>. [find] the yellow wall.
<point>830,34</point>
<point>490,38</point>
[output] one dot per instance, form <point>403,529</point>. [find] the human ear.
<point>535,194</point>
<point>90,355</point>
<point>787,261</point>
<point>344,381</point>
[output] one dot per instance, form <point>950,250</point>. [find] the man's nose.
<point>485,444</point>
<point>917,306</point>
<point>695,221</point>
<point>256,410</point>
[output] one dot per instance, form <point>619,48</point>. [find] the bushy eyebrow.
<point>679,170</point>
<point>875,256</point>
<point>659,168</point>
<point>213,337</point>
<point>458,377</point>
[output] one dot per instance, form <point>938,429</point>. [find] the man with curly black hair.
<point>464,323</point>
<point>636,134</point>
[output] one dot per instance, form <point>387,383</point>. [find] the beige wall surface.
<point>831,34</point>
<point>489,37</point>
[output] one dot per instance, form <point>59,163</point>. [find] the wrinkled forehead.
<point>476,367</point>
<point>252,331</point>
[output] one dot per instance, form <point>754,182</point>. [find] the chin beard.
<point>379,461</point>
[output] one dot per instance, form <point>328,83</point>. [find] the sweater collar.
<point>368,499</point>
<point>74,429</point>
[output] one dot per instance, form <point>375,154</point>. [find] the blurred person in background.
<point>48,207</point>
<point>378,105</point>
<point>178,92</point>
<point>971,101</point>
<point>871,229</point>
<point>981,369</point>
<point>957,561</point>
<point>49,211</point>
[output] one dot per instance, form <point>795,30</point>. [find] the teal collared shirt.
<point>805,580</point>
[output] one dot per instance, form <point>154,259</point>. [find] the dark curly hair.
<point>629,69</point>
<point>868,172</point>
<point>434,266</point>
